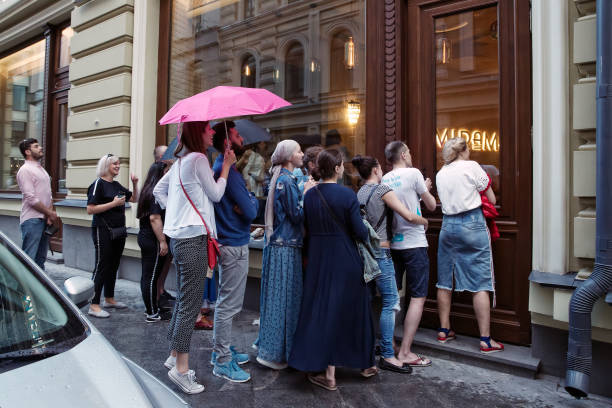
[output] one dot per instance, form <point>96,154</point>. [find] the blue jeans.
<point>390,300</point>
<point>34,241</point>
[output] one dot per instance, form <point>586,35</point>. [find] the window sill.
<point>567,281</point>
<point>78,204</point>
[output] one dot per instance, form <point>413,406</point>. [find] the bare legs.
<point>411,325</point>
<point>482,309</point>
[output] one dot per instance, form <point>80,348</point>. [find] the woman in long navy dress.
<point>335,327</point>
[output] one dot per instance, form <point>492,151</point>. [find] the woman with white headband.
<point>281,276</point>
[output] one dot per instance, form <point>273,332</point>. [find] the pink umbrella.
<point>223,102</point>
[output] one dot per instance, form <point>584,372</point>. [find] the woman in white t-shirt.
<point>465,261</point>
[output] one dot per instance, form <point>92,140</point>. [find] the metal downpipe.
<point>579,353</point>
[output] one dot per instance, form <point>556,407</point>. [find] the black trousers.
<point>108,257</point>
<point>152,266</point>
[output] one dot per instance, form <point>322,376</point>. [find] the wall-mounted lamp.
<point>349,53</point>
<point>443,50</point>
<point>352,112</point>
<point>315,66</point>
<point>247,70</point>
<point>276,75</point>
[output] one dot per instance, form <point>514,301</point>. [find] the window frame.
<point>56,81</point>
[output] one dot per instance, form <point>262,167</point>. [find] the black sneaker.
<point>152,318</point>
<point>167,296</point>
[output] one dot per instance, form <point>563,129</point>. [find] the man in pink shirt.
<point>37,207</point>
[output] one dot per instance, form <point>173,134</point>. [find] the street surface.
<point>444,384</point>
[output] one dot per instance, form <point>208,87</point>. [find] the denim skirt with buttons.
<point>465,261</point>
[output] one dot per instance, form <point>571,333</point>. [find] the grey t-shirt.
<point>376,210</point>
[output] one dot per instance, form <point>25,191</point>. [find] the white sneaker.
<point>101,314</point>
<point>116,305</point>
<point>272,364</point>
<point>170,362</point>
<point>186,382</point>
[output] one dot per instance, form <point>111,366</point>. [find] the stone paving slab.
<point>446,383</point>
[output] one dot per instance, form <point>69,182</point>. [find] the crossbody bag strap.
<point>382,217</point>
<point>331,212</point>
<point>191,202</point>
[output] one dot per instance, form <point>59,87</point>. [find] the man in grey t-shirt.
<point>409,244</point>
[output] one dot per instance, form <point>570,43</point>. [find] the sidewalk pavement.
<point>445,384</point>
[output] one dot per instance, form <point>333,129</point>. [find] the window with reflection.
<point>467,86</point>
<point>248,72</point>
<point>295,52</point>
<point>342,61</point>
<point>294,71</point>
<point>22,76</point>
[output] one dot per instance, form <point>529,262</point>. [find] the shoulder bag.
<point>212,246</point>
<point>371,270</point>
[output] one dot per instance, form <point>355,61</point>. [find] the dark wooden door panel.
<point>510,320</point>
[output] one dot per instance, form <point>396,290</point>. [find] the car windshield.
<point>34,321</point>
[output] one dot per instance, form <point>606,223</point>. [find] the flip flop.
<point>419,362</point>
<point>448,335</point>
<point>321,382</point>
<point>369,372</point>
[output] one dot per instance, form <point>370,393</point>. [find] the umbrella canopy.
<point>223,102</point>
<point>250,131</point>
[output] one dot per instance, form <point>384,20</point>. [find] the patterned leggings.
<point>191,262</point>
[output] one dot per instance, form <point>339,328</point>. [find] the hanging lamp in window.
<point>352,112</point>
<point>349,53</point>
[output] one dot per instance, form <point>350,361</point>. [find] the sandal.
<point>490,348</point>
<point>421,361</point>
<point>448,335</point>
<point>369,372</point>
<point>322,382</point>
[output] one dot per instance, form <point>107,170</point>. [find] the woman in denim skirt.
<point>465,261</point>
<point>378,200</point>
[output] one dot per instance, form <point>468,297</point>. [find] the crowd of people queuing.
<point>315,305</point>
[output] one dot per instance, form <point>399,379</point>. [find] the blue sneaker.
<point>231,371</point>
<point>240,358</point>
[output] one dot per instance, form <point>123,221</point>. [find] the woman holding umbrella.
<point>187,192</point>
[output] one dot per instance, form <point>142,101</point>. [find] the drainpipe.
<point>579,352</point>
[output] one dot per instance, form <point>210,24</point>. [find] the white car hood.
<point>91,374</point>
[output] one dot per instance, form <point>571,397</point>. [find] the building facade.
<point>515,78</point>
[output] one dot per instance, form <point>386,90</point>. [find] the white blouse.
<point>459,185</point>
<point>181,219</point>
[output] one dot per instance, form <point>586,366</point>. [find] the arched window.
<point>342,61</point>
<point>248,72</point>
<point>294,71</point>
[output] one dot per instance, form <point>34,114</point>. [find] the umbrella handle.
<point>226,134</point>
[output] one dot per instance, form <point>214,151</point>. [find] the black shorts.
<point>415,263</point>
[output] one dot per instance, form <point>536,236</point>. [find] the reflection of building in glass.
<point>21,105</point>
<point>308,52</point>
<point>467,83</point>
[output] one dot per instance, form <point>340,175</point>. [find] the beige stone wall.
<point>100,97</point>
<point>582,23</point>
<point>549,306</point>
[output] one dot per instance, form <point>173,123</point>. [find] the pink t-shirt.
<point>35,185</point>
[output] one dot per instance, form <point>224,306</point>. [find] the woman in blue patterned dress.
<point>281,275</point>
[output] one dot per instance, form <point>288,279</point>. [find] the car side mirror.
<point>79,289</point>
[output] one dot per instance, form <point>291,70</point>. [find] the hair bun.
<point>357,160</point>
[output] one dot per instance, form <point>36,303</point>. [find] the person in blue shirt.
<point>233,216</point>
<point>281,273</point>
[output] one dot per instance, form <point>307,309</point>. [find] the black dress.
<point>335,325</point>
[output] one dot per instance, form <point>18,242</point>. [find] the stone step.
<point>55,257</point>
<point>516,360</point>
